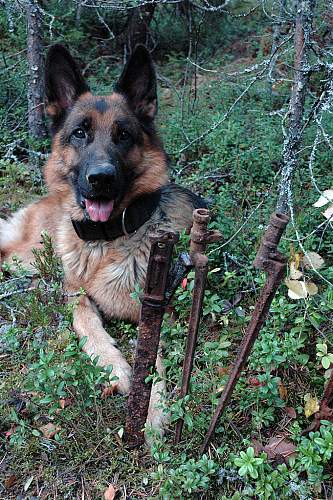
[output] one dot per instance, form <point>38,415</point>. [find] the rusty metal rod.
<point>200,236</point>
<point>200,262</point>
<point>269,259</point>
<point>152,311</point>
<point>258,318</point>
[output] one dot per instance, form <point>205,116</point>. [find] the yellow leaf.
<point>294,272</point>
<point>300,289</point>
<point>298,258</point>
<point>312,260</point>
<point>283,391</point>
<point>311,405</point>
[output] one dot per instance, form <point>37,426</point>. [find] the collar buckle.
<point>126,233</point>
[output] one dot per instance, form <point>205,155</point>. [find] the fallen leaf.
<point>294,272</point>
<point>257,446</point>
<point>220,389</point>
<point>312,260</point>
<point>223,370</point>
<point>255,382</point>
<point>291,412</point>
<point>28,483</point>
<point>282,391</point>
<point>10,431</point>
<point>110,493</point>
<point>311,405</point>
<point>49,430</point>
<point>324,198</point>
<point>108,391</point>
<point>328,212</point>
<point>300,289</point>
<point>10,481</point>
<point>279,446</point>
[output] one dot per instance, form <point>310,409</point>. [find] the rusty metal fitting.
<point>162,243</point>
<point>200,236</point>
<point>272,261</point>
<point>199,260</point>
<point>268,256</point>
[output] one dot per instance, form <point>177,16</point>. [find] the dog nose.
<point>101,175</point>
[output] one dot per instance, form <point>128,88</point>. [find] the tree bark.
<point>292,143</point>
<point>138,26</point>
<point>36,116</point>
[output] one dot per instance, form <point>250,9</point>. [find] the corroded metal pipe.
<point>152,311</point>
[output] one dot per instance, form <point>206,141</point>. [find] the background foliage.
<point>60,433</point>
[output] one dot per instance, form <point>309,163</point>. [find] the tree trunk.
<point>36,117</point>
<point>138,26</point>
<point>292,143</point>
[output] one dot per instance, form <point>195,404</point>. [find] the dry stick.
<point>268,257</point>
<point>152,311</point>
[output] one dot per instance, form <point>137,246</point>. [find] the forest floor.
<point>61,434</point>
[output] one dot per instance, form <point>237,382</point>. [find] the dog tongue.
<point>99,211</point>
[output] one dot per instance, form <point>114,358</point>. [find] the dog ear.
<point>64,82</point>
<point>138,83</point>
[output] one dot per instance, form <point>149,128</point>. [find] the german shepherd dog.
<point>108,189</point>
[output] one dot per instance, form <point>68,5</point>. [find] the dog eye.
<point>124,135</point>
<point>79,133</point>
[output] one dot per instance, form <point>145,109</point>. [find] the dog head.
<point>105,149</point>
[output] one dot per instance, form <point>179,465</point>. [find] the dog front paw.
<point>123,372</point>
<point>120,369</point>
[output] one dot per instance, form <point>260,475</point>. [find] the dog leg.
<point>87,323</point>
<point>157,419</point>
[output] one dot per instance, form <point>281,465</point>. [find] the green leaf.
<point>243,470</point>
<point>325,361</point>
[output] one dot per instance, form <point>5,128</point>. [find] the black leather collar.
<point>126,223</point>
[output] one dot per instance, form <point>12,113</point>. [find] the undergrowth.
<point>60,430</point>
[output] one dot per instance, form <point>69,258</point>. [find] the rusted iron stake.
<point>200,236</point>
<point>200,262</point>
<point>152,310</point>
<point>273,262</point>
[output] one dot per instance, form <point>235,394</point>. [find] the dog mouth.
<point>98,210</point>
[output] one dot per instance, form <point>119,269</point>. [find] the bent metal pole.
<point>273,262</point>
